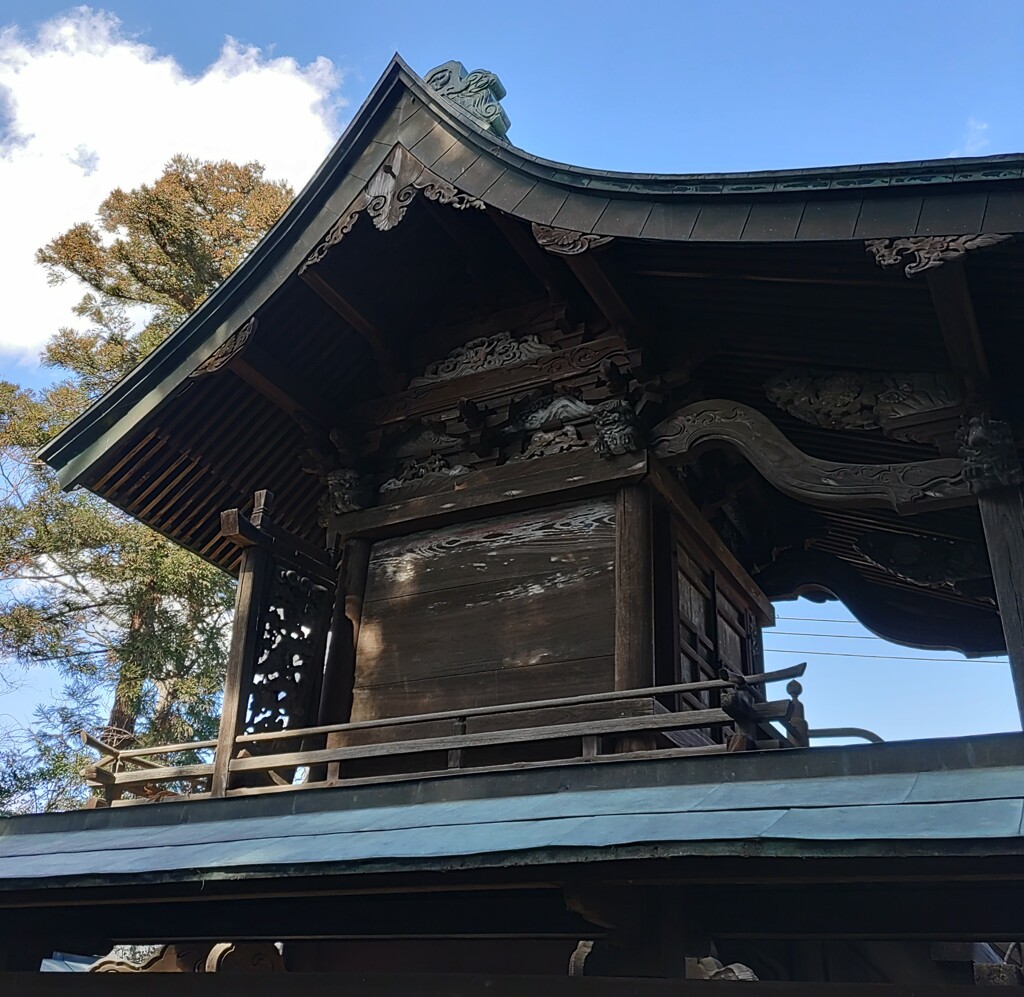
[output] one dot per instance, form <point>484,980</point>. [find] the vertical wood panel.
<point>634,631</point>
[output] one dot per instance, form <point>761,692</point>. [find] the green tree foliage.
<point>135,625</point>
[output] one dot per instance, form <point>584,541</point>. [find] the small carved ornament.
<point>929,251</point>
<point>989,454</point>
<point>547,411</point>
<point>710,968</point>
<point>865,400</point>
<point>565,242</point>
<point>617,427</point>
<point>478,94</point>
<point>486,353</point>
<point>420,477</point>
<point>228,350</point>
<point>346,489</point>
<point>544,444</point>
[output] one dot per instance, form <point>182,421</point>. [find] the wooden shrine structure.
<point>511,460</point>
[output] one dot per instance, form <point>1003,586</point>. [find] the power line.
<point>815,619</point>
<point>805,633</point>
<point>887,657</point>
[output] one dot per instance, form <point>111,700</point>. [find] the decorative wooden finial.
<point>477,94</point>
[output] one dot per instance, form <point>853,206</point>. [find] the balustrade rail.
<point>126,776</point>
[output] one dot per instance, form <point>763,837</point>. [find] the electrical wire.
<point>887,657</point>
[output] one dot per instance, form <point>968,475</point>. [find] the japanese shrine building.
<point>512,460</point>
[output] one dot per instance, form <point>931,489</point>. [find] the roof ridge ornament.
<point>477,94</point>
<point>929,251</point>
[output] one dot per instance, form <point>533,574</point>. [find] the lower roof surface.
<point>953,796</point>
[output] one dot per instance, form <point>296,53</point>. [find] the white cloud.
<point>975,139</point>
<point>84,108</point>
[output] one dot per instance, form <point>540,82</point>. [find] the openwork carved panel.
<point>930,251</point>
<point>387,196</point>
<point>904,487</point>
<point>890,401</point>
<point>292,636</point>
<point>486,353</point>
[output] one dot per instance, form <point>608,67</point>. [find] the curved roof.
<point>948,197</point>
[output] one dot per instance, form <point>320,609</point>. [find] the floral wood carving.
<point>544,444</point>
<point>486,353</point>
<point>477,93</point>
<point>187,958</point>
<point>989,454</point>
<point>618,429</point>
<point>546,412</point>
<point>928,251</point>
<point>387,196</point>
<point>935,562</point>
<point>720,423</point>
<point>866,399</point>
<point>565,242</point>
<point>292,637</point>
<point>227,351</point>
<point>421,476</point>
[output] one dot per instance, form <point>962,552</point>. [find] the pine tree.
<point>135,625</point>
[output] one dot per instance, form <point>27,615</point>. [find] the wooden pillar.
<point>253,578</point>
<point>340,670</point>
<point>992,467</point>
<point>1002,516</point>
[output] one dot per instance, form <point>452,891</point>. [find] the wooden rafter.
<point>378,342</point>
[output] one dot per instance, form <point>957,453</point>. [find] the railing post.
<point>253,577</point>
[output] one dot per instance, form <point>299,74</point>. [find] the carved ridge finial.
<point>478,94</point>
<point>928,251</point>
<point>566,242</point>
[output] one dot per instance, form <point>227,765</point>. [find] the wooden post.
<point>1002,516</point>
<point>253,577</point>
<point>340,669</point>
<point>634,604</point>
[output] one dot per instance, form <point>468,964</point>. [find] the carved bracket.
<point>905,488</point>
<point>989,454</point>
<point>228,350</point>
<point>906,406</point>
<point>387,196</point>
<point>478,94</point>
<point>565,242</point>
<point>929,251</point>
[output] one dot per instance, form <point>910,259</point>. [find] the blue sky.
<point>680,87</point>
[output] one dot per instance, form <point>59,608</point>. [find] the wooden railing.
<point>145,774</point>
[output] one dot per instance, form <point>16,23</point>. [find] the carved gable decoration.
<point>486,353</point>
<point>227,351</point>
<point>896,403</point>
<point>929,251</point>
<point>477,94</point>
<point>566,242</point>
<point>387,196</point>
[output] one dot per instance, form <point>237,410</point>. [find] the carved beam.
<point>929,251</point>
<point>906,488</point>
